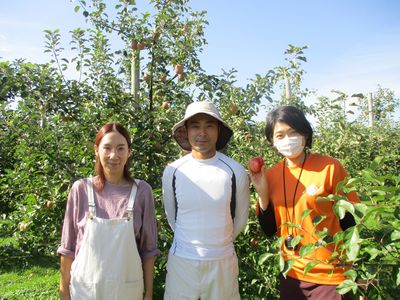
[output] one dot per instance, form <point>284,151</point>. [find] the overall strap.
<point>92,206</point>
<point>132,197</point>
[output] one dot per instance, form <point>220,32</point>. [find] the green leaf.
<point>340,185</point>
<point>346,286</point>
<point>322,233</point>
<point>281,263</point>
<point>318,219</point>
<point>353,181</point>
<point>395,235</point>
<point>330,197</point>
<point>264,257</point>
<point>348,206</point>
<point>354,245</point>
<point>374,212</point>
<point>309,266</point>
<point>287,266</point>
<point>372,251</point>
<point>338,237</point>
<point>77,7</point>
<point>370,176</point>
<point>306,249</point>
<point>376,163</point>
<point>351,274</point>
<point>246,229</point>
<point>305,213</point>
<point>360,209</point>
<point>398,277</point>
<point>339,211</point>
<point>294,242</point>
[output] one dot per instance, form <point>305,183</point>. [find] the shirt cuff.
<point>65,252</point>
<point>150,253</point>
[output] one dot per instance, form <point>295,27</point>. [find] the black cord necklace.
<point>290,237</point>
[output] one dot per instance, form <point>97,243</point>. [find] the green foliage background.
<point>48,123</point>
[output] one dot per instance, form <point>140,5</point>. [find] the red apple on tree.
<point>181,77</point>
<point>146,76</point>
<point>233,108</point>
<point>256,164</point>
<point>249,137</point>
<point>134,45</point>
<point>163,78</point>
<point>254,243</point>
<point>165,105</point>
<point>179,69</point>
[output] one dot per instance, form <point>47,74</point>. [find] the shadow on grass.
<point>13,259</point>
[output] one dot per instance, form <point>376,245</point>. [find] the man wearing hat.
<point>206,199</point>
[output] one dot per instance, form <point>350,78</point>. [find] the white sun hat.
<point>202,107</point>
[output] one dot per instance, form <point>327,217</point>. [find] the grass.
<point>34,282</point>
<point>23,277</point>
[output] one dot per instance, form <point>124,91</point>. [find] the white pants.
<point>189,279</point>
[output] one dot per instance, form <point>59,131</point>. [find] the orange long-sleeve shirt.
<point>319,178</point>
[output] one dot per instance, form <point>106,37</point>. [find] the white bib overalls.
<point>108,265</point>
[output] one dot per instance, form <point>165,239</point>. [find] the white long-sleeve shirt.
<point>203,228</point>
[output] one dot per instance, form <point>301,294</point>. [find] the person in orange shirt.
<point>287,192</point>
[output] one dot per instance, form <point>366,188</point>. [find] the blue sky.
<point>354,45</point>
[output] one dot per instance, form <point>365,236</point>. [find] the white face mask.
<point>290,147</point>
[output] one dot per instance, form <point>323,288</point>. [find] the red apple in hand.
<point>256,164</point>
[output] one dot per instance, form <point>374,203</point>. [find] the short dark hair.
<point>291,116</point>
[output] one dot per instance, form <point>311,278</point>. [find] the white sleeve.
<point>242,202</point>
<point>168,195</point>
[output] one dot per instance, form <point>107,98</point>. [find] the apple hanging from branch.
<point>181,77</point>
<point>146,77</point>
<point>134,45</point>
<point>165,105</point>
<point>179,69</point>
<point>141,45</point>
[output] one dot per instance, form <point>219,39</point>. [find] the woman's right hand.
<point>259,180</point>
